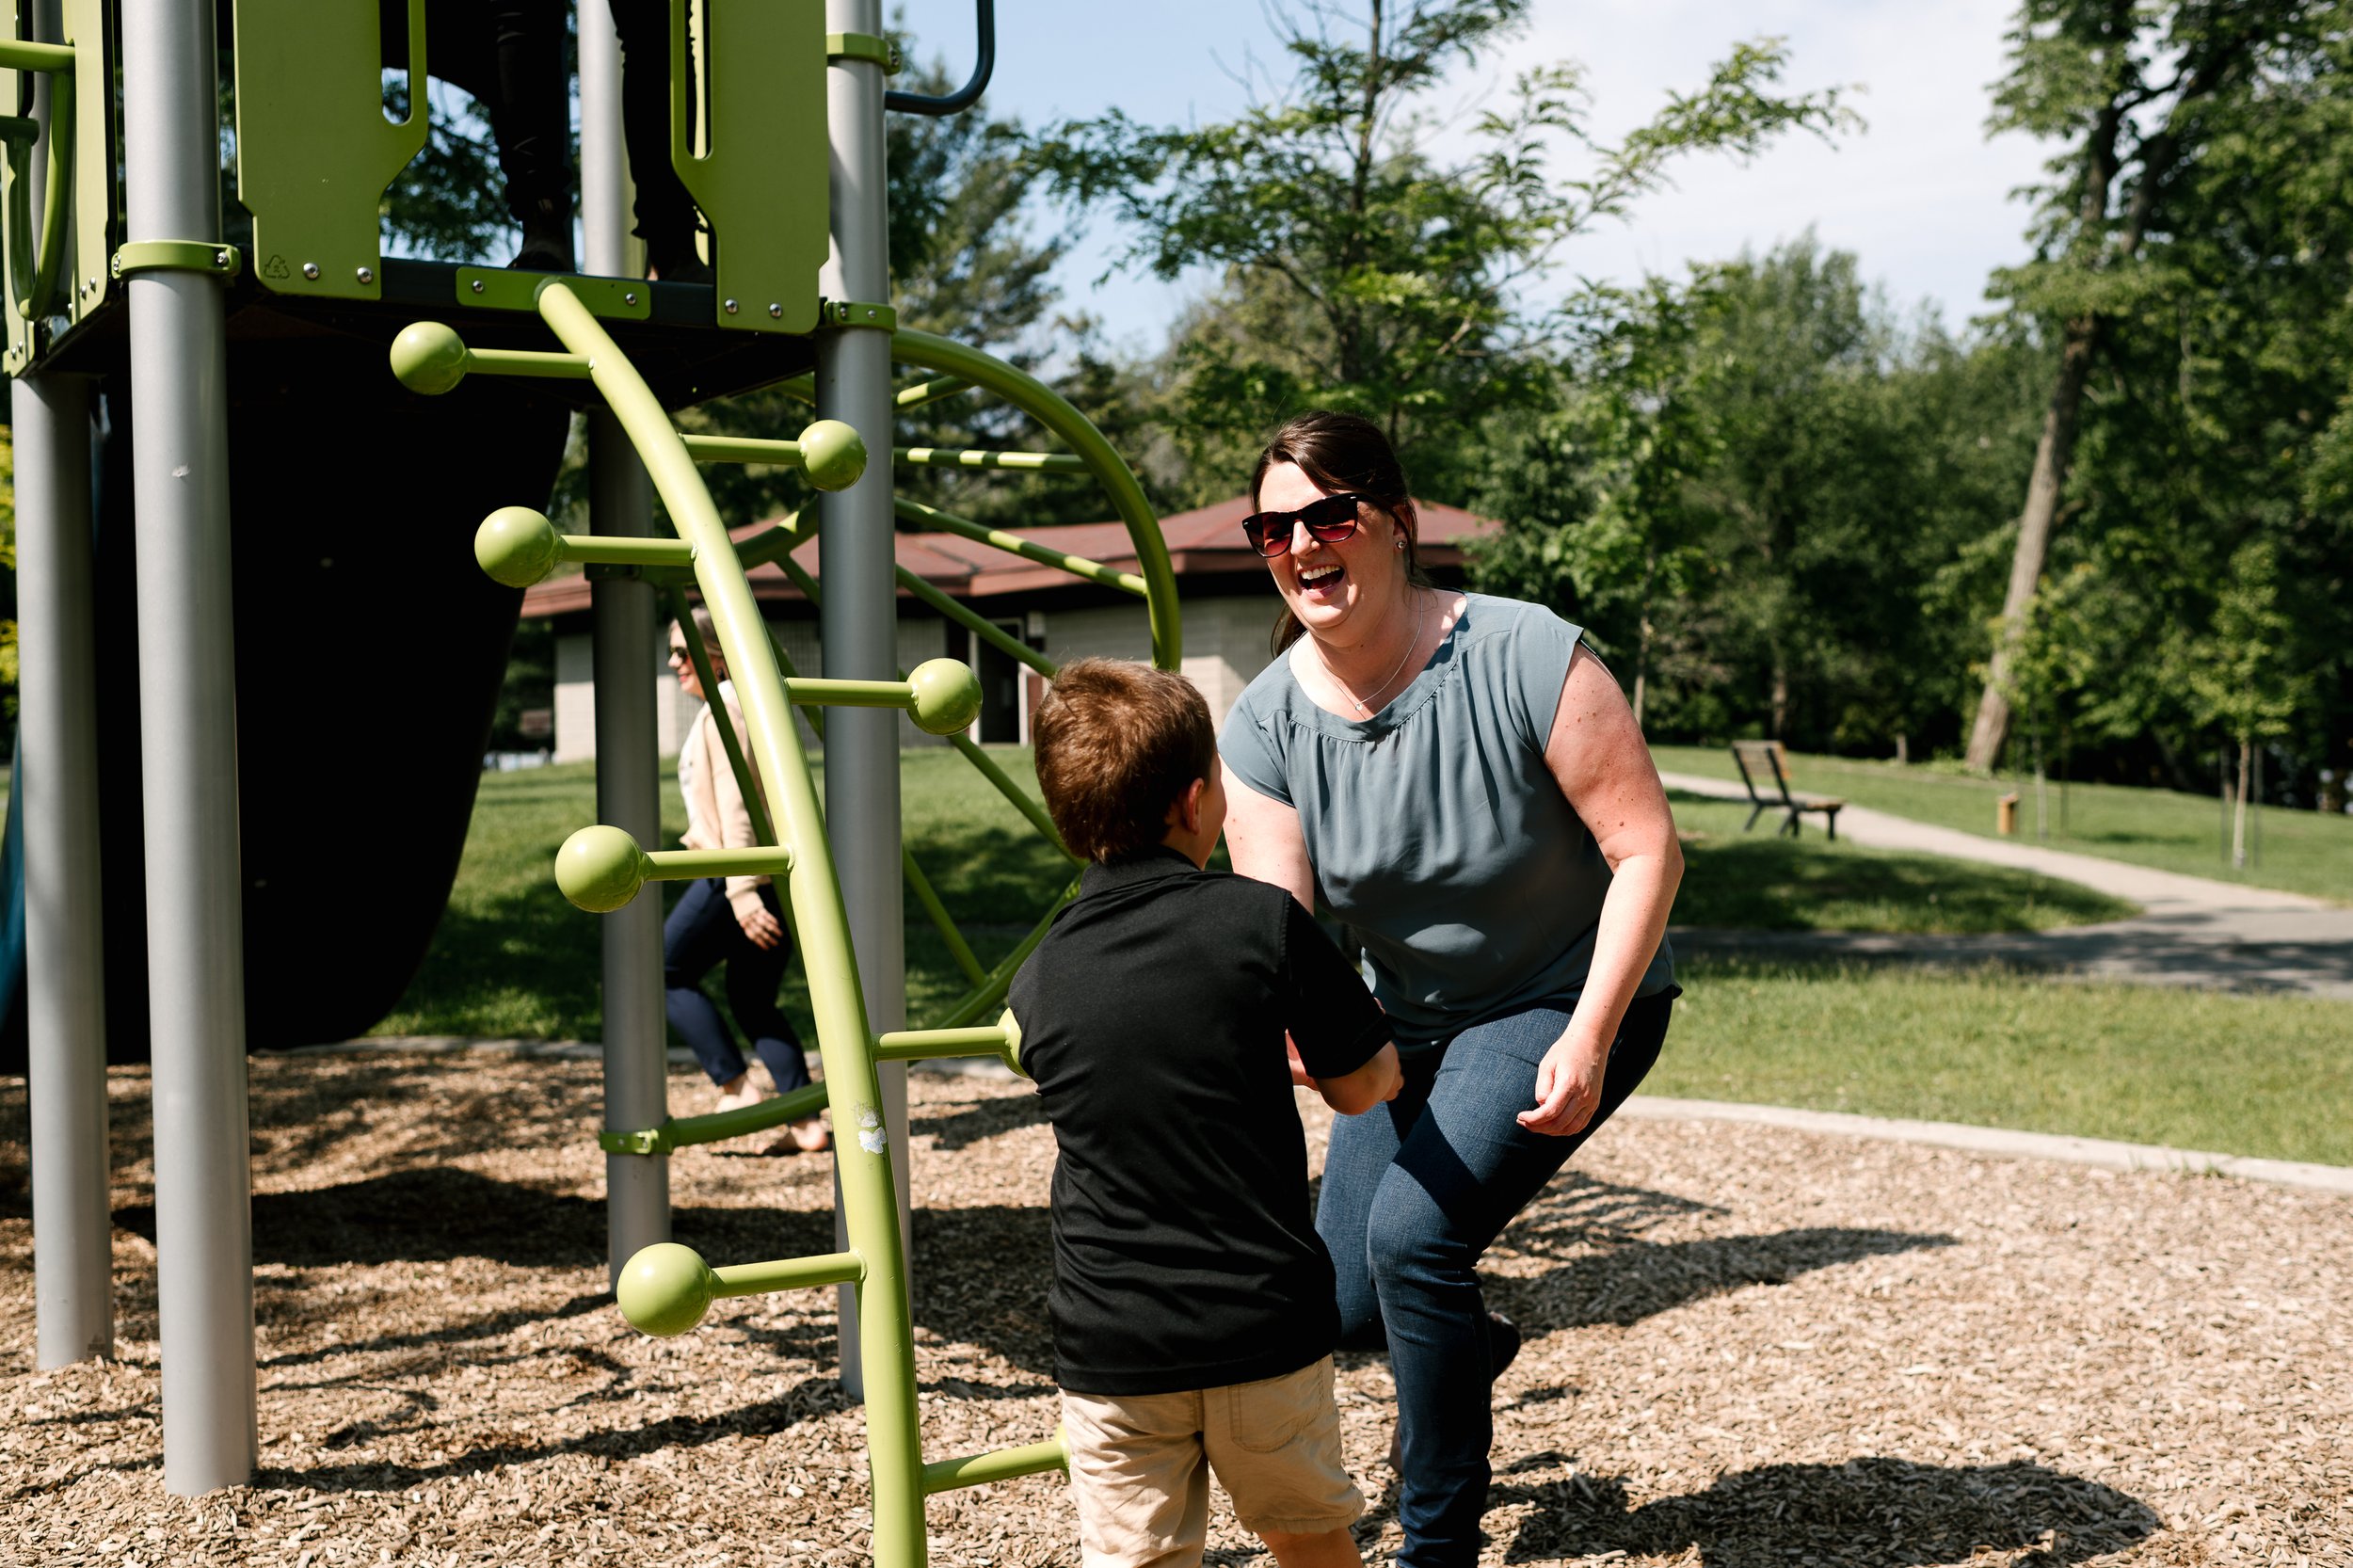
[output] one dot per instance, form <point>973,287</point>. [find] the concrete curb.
<point>2001,1142</point>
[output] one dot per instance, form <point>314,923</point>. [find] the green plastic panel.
<point>17,352</point>
<point>499,288</point>
<point>759,176</point>
<point>315,151</point>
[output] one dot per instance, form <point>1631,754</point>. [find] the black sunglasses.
<point>1331,519</point>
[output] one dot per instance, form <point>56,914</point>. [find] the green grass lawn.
<point>2249,1075</point>
<point>2303,852</point>
<point>1758,881</point>
<point>2244,1074</point>
<point>513,958</point>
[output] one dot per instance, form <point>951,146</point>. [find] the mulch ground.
<point>1747,1347</point>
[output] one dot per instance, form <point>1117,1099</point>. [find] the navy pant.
<point>1413,1191</point>
<point>700,935</point>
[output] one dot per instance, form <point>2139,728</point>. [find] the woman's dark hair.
<point>1342,452</point>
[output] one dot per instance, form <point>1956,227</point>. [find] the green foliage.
<point>1359,271</point>
<point>2194,235</point>
<point>1762,494</point>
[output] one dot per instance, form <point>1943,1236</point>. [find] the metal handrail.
<point>983,67</point>
<point>1050,409</point>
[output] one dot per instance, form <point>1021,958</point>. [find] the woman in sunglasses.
<point>1460,781</point>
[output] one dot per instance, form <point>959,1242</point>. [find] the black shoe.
<point>1503,1344</point>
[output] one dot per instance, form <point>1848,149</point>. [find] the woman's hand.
<point>1568,1085</point>
<point>760,928</point>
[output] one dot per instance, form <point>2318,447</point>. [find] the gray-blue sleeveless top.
<point>1437,832</point>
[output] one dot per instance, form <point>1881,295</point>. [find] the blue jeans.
<point>1413,1191</point>
<point>702,934</point>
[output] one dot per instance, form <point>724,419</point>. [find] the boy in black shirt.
<point>1193,1301</point>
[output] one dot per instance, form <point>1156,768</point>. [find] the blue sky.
<point>1921,196</point>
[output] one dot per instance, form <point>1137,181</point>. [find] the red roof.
<point>1202,543</point>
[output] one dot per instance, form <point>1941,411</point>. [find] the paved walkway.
<point>2191,930</point>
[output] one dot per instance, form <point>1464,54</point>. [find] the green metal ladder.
<point>667,1288</point>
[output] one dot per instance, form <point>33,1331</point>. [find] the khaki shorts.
<point>1143,1490</point>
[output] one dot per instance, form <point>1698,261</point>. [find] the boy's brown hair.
<point>1119,744</point>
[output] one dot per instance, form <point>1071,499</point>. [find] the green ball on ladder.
<point>429,357</point>
<point>666,1289</point>
<point>600,869</point>
<point>947,695</point>
<point>517,547</point>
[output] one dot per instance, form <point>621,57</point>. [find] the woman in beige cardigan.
<point>735,922</point>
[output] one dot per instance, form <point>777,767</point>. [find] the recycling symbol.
<point>277,267</point>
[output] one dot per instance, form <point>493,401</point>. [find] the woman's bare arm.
<point>1263,838</point>
<point>1598,757</point>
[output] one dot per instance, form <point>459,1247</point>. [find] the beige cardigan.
<point>715,805</point>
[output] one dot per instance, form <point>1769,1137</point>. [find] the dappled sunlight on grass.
<point>2302,852</point>
<point>1758,881</point>
<point>2249,1075</point>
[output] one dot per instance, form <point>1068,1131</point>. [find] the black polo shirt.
<point>1152,1017</point>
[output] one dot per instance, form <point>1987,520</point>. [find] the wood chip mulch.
<point>1746,1347</point>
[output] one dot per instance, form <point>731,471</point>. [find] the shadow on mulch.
<point>976,1121</point>
<point>437,1213</point>
<point>1641,1279</point>
<point>1882,1513</point>
<point>813,1397</point>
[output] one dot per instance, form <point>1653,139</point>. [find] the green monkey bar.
<point>667,1288</point>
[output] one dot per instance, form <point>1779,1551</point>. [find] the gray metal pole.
<point>65,974</point>
<point>65,971</point>
<point>629,779</point>
<point>860,631</point>
<point>188,692</point>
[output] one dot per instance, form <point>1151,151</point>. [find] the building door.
<point>1000,690</point>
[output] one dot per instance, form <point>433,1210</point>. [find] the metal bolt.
<point>311,270</point>
<point>730,307</point>
<point>477,285</point>
<point>776,310</point>
<point>220,258</point>
<point>630,298</point>
<point>367,275</point>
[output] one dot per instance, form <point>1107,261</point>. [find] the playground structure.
<point>104,278</point>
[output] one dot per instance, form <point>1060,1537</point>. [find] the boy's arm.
<point>1338,1031</point>
<point>1374,1084</point>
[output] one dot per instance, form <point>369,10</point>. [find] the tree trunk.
<point>1642,668</point>
<point>2053,457</point>
<point>1781,693</point>
<point>2238,814</point>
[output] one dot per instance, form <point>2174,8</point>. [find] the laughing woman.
<point>1457,778</point>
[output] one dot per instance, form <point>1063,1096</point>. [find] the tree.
<point>1766,494</point>
<point>2240,673</point>
<point>1394,284</point>
<point>2138,92</point>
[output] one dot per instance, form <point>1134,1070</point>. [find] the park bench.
<point>1765,761</point>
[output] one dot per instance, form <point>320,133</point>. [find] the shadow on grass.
<point>1873,1513</point>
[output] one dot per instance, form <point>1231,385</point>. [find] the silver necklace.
<point>1421,621</point>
